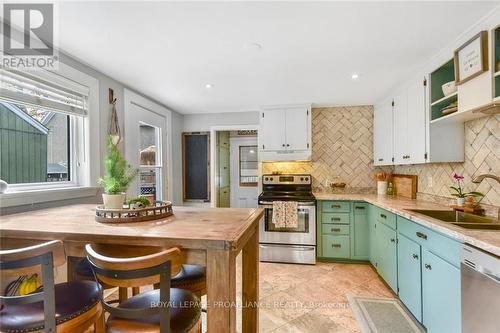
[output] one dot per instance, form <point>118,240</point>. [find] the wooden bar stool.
<point>165,310</point>
<point>66,307</point>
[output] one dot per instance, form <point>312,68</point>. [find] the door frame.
<point>241,141</point>
<point>132,98</point>
<point>213,159</point>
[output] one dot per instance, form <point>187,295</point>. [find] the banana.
<point>22,287</point>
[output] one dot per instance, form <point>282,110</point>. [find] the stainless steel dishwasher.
<point>480,272</point>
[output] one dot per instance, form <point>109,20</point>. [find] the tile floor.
<point>306,298</point>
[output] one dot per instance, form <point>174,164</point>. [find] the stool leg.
<point>122,294</point>
<point>100,325</point>
<point>135,291</point>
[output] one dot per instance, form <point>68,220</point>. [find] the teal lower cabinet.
<point>409,276</point>
<point>440,295</point>
<point>360,248</point>
<point>336,246</point>
<point>372,238</point>
<point>387,255</point>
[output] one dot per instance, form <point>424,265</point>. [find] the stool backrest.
<point>30,260</point>
<point>135,272</point>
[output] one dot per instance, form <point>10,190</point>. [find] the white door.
<point>297,130</point>
<point>416,122</point>
<point>244,172</point>
<point>272,130</point>
<point>400,128</point>
<point>145,149</point>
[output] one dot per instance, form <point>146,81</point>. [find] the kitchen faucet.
<point>480,178</point>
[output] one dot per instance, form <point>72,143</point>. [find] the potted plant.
<point>460,194</point>
<point>119,175</point>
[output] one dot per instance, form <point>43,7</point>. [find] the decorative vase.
<point>113,201</point>
<point>3,186</point>
<point>460,201</point>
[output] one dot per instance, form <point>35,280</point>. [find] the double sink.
<point>461,219</point>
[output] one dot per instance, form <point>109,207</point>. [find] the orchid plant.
<point>459,190</point>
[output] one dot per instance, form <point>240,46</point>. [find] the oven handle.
<point>295,247</point>
<point>300,204</point>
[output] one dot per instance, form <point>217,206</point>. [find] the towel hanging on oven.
<point>285,214</point>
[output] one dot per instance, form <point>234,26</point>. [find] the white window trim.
<point>85,174</point>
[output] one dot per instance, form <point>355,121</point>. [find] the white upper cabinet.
<point>382,133</point>
<point>416,122</point>
<point>285,133</point>
<point>400,109</point>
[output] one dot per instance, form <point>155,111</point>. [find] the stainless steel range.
<point>283,244</point>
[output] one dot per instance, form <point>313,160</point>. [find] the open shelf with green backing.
<point>440,76</point>
<point>496,79</point>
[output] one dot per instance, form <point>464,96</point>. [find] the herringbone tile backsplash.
<point>343,152</point>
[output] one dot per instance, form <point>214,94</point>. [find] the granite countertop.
<point>487,240</point>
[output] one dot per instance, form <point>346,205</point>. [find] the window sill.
<point>11,199</point>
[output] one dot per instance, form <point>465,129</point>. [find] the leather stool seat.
<point>184,313</point>
<point>191,277</point>
<point>71,299</point>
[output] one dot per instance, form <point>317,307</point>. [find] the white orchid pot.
<point>113,201</point>
<point>460,201</point>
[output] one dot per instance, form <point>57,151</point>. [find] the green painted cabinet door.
<point>372,238</point>
<point>387,260</point>
<point>440,295</point>
<point>409,275</point>
<point>360,245</point>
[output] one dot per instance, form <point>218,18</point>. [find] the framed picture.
<point>471,59</point>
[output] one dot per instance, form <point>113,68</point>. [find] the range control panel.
<point>286,179</point>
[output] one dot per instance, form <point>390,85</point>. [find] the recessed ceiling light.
<point>253,46</point>
<point>355,76</point>
<point>209,86</point>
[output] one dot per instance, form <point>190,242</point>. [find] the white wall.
<point>203,122</point>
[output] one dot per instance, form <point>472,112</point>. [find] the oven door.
<point>303,234</point>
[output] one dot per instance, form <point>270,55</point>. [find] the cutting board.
<point>405,186</point>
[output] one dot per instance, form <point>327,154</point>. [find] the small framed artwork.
<point>471,59</point>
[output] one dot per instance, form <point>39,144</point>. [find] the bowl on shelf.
<point>449,88</point>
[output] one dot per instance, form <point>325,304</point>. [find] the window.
<point>248,166</point>
<point>39,122</point>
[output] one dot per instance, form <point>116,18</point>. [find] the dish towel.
<point>285,214</point>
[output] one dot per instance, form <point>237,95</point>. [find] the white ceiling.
<point>171,50</point>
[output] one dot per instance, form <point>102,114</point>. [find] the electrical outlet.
<point>429,181</point>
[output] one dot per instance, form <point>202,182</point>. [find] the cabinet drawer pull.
<point>383,216</point>
<point>427,266</point>
<point>421,235</point>
<point>415,256</point>
<point>336,245</point>
<point>336,206</point>
<point>336,230</point>
<point>335,218</point>
<point>359,207</point>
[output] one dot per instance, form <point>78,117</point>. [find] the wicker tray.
<point>160,210</point>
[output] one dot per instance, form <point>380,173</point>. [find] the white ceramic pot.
<point>113,201</point>
<point>460,201</point>
<point>381,187</point>
<point>3,186</point>
<point>449,88</point>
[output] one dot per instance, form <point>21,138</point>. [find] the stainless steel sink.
<point>463,220</point>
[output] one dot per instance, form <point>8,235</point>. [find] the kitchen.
<point>284,189</point>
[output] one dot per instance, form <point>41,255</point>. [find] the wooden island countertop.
<point>208,236</point>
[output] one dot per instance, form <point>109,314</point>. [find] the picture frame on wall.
<point>471,59</point>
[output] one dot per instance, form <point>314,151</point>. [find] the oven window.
<point>302,227</point>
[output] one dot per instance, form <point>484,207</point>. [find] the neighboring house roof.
<point>56,168</point>
<point>26,117</point>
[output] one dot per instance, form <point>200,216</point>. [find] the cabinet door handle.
<point>283,145</point>
<point>359,207</point>
<point>336,245</point>
<point>335,206</point>
<point>287,145</point>
<point>335,218</point>
<point>421,235</point>
<point>336,230</point>
<point>393,240</point>
<point>380,159</point>
<point>427,266</point>
<point>415,256</point>
<point>383,216</point>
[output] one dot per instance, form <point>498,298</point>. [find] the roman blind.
<point>50,91</point>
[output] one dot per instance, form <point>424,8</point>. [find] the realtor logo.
<point>29,36</point>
